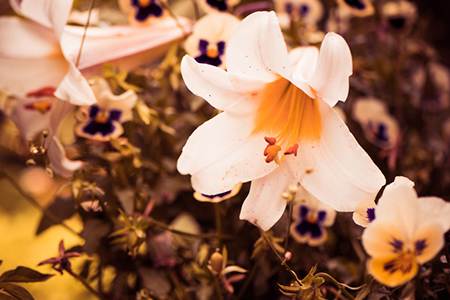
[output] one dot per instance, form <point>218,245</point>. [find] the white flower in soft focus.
<point>408,231</point>
<point>103,120</point>
<point>380,128</point>
<point>277,126</point>
<point>38,183</point>
<point>209,38</point>
<point>357,8</point>
<point>217,5</point>
<point>431,87</point>
<point>143,12</point>
<point>311,219</point>
<point>308,12</point>
<point>399,15</point>
<point>31,56</point>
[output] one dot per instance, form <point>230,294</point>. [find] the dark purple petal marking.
<point>371,214</point>
<point>420,245</point>
<point>218,4</point>
<point>356,4</point>
<point>304,10</point>
<point>143,12</point>
<point>220,195</point>
<point>397,245</point>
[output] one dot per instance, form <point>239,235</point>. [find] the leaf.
<point>24,274</point>
<point>62,208</point>
<point>16,291</point>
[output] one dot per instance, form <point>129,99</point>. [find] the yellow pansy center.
<point>102,116</point>
<point>288,114</point>
<point>144,2</point>
<point>212,52</point>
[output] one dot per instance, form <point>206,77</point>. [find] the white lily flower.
<point>408,231</point>
<point>277,124</point>
<point>37,42</point>
<point>209,38</point>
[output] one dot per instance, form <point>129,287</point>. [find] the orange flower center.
<point>42,106</point>
<point>288,114</point>
<point>212,52</point>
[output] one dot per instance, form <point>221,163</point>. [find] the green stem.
<point>83,38</point>
<point>281,259</point>
<point>218,220</point>
<point>286,239</point>
<point>34,203</point>
<point>188,234</point>
<point>85,284</point>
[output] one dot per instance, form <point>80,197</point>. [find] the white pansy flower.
<point>277,124</point>
<point>209,38</point>
<point>308,12</point>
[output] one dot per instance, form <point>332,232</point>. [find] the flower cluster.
<point>288,120</point>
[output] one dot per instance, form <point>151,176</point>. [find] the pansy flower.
<point>357,8</point>
<point>277,126</point>
<point>380,128</point>
<point>308,12</point>
<point>364,213</point>
<point>408,231</point>
<point>209,38</point>
<point>432,87</point>
<point>399,15</point>
<point>311,219</point>
<point>142,11</point>
<point>103,120</point>
<point>218,197</point>
<point>217,5</point>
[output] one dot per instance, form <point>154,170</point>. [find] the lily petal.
<point>304,59</point>
<point>59,163</point>
<point>334,67</point>
<point>25,39</point>
<point>74,88</point>
<point>217,86</point>
<point>222,153</point>
<point>257,48</point>
<point>49,13</point>
<point>264,204</point>
<point>336,170</point>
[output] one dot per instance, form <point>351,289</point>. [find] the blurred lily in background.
<point>279,126</point>
<point>408,231</point>
<point>311,219</point>
<point>209,38</point>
